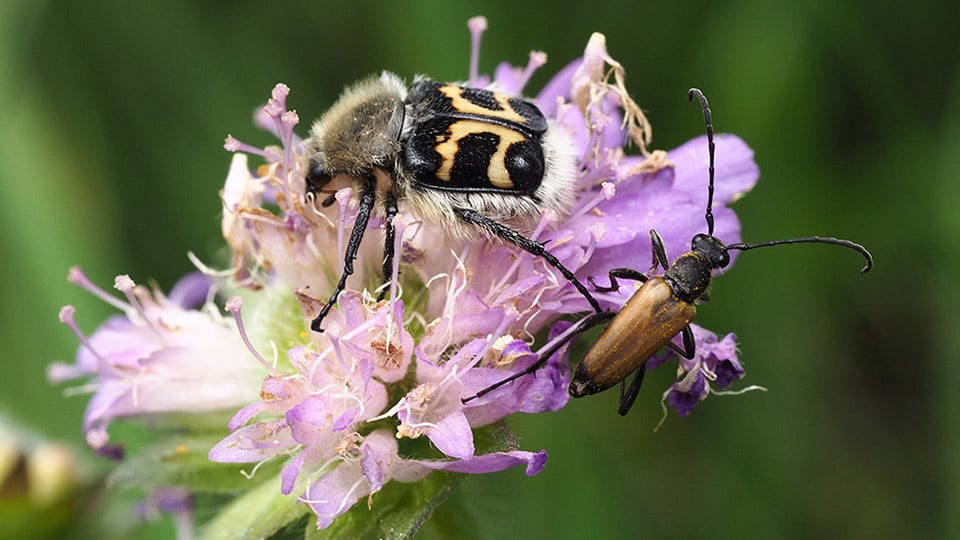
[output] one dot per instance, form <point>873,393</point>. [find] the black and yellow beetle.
<point>476,162</point>
<point>661,308</point>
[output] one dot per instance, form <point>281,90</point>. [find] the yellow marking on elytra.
<point>448,144</point>
<point>465,106</point>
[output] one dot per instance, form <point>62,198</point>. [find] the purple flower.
<point>373,461</point>
<point>715,365</point>
<point>459,315</point>
<point>477,299</point>
<point>158,357</point>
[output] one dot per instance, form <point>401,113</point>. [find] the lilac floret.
<point>159,357</point>
<point>685,395</point>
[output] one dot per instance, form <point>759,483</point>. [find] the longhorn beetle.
<point>661,308</point>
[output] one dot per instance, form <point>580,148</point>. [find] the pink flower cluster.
<point>337,405</point>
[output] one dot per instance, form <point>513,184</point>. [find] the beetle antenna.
<point>812,240</point>
<point>695,92</point>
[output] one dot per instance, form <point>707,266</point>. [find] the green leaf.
<point>258,513</point>
<point>182,461</point>
<point>494,438</point>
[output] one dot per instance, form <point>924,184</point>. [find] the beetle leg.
<point>582,325</point>
<point>530,246</point>
<point>627,398</point>
<point>629,395</point>
<point>388,243</point>
<point>367,196</point>
<point>659,252</point>
<point>622,273</point>
<point>689,349</point>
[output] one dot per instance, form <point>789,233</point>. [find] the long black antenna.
<point>695,92</point>
<point>812,240</point>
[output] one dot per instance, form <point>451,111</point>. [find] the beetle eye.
<point>724,259</point>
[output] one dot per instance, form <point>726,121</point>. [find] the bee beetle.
<point>476,162</point>
<point>661,308</point>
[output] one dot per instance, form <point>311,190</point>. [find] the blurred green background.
<point>112,119</point>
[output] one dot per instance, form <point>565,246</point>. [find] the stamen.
<point>595,229</point>
<point>561,337</point>
<point>334,346</point>
<point>510,315</point>
<point>277,103</point>
<point>663,408</point>
<point>81,390</point>
<point>607,191</point>
<point>477,26</point>
<point>545,219</point>
<point>77,277</point>
<point>288,120</point>
<point>127,286</point>
<point>689,379</point>
<point>707,373</point>
<point>401,405</point>
<point>279,95</point>
<point>338,352</point>
<point>234,305</point>
<point>231,144</point>
<point>67,318</point>
<point>252,473</point>
<point>206,270</point>
<point>456,284</point>
<point>421,426</point>
<point>343,502</point>
<point>536,61</point>
<point>750,388</point>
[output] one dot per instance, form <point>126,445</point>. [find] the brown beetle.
<point>661,308</point>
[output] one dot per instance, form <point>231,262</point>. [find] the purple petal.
<point>191,291</point>
<point>508,77</point>
<point>498,461</point>
<point>245,414</point>
<point>541,391</point>
<point>684,401</point>
<point>118,339</point>
<point>556,88</point>
<point>728,371</point>
<point>736,170</point>
<point>58,372</point>
<point>453,436</point>
<point>105,405</point>
<point>344,421</point>
<point>253,443</point>
<point>167,500</point>
<point>378,452</point>
<point>290,472</point>
<point>335,492</point>
<point>309,418</point>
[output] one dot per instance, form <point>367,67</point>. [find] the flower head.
<point>478,303</point>
<point>378,396</point>
<point>160,356</point>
